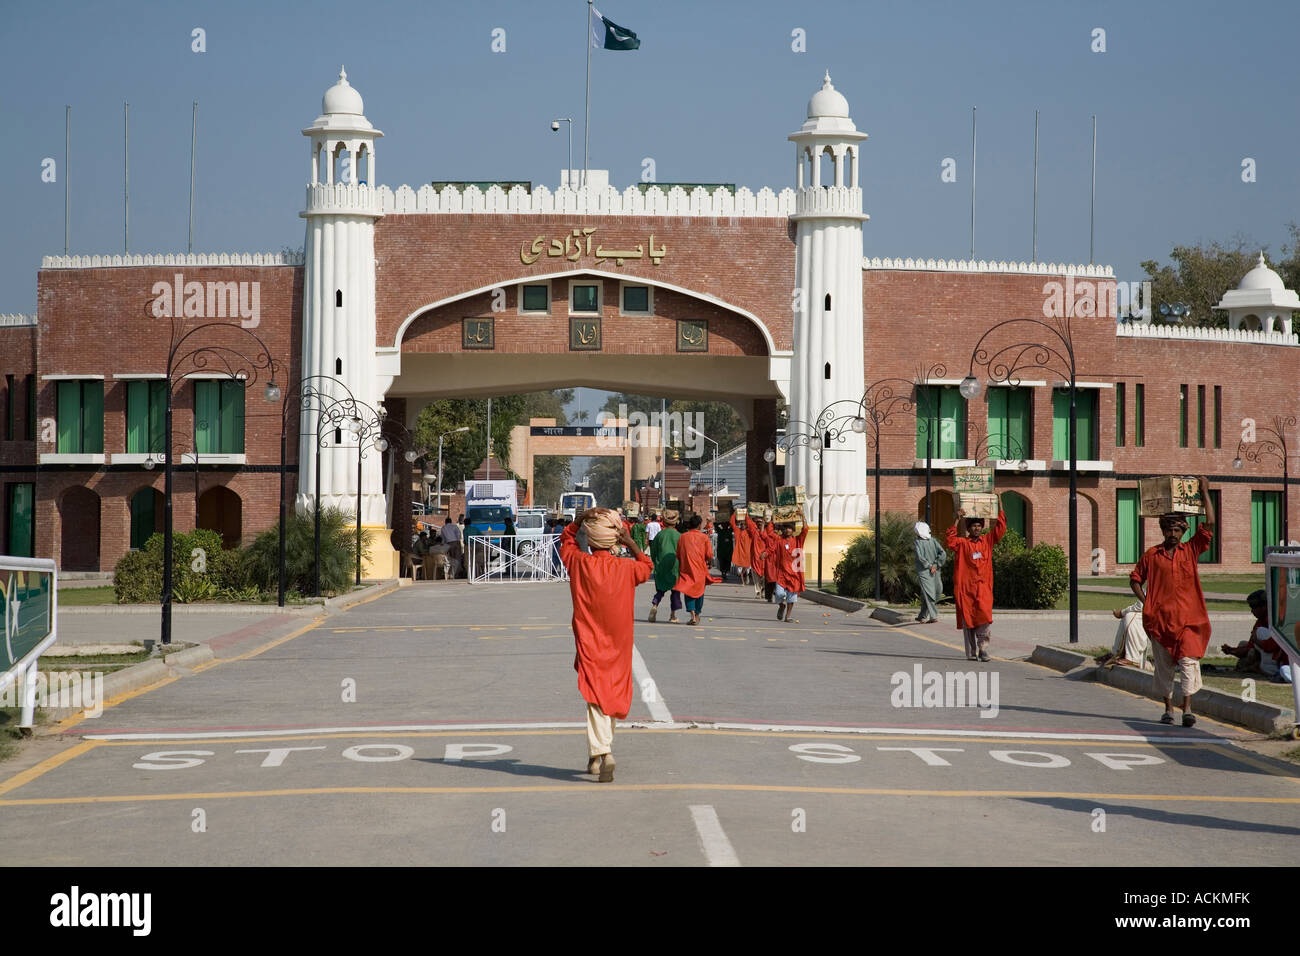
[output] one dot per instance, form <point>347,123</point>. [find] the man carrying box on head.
<point>972,578</point>
<point>1173,612</point>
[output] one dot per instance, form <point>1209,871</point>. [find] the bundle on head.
<point>602,527</point>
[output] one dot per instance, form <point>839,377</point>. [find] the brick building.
<point>408,295</point>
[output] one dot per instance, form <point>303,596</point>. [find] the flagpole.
<point>972,183</point>
<point>1035,257</point>
<point>67,186</point>
<point>126,178</point>
<point>194,138</point>
<point>1092,204</point>
<point>586,122</point>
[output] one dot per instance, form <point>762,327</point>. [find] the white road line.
<point>667,723</point>
<point>717,848</point>
<point>650,695</point>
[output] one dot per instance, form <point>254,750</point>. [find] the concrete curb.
<point>191,657</point>
<point>117,683</point>
<point>833,600</point>
<point>1254,715</point>
<point>182,609</point>
<point>344,601</point>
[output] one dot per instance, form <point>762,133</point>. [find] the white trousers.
<point>600,732</point>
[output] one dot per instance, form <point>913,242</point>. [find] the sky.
<point>1184,93</point>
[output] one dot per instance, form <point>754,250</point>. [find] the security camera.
<point>555,126</point>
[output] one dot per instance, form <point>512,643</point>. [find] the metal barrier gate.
<point>514,558</point>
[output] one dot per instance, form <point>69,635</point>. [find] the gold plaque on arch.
<point>584,333</point>
<point>477,333</point>
<point>692,335</point>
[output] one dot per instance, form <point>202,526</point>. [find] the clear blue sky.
<point>1184,92</point>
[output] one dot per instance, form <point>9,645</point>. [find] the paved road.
<point>440,725</point>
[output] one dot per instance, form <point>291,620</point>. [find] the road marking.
<point>667,723</point>
<point>717,848</point>
<point>31,773</point>
<point>593,789</point>
<point>654,700</point>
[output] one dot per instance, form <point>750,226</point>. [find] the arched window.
<point>338,298</point>
<point>828,371</point>
<point>826,160</point>
<point>221,510</point>
<point>828,301</point>
<point>79,517</point>
<point>338,366</point>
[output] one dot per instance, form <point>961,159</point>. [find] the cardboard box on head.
<point>1170,494</point>
<point>973,480</point>
<point>790,495</point>
<point>978,504</point>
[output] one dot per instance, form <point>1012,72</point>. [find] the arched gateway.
<point>475,289</point>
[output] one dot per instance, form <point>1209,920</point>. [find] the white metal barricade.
<point>514,558</point>
<point>29,608</point>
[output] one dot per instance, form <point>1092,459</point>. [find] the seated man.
<point>1259,653</point>
<point>1131,642</point>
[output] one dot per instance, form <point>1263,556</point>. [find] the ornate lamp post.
<point>1003,366</point>
<point>185,354</point>
<point>877,407</point>
<point>1276,447</point>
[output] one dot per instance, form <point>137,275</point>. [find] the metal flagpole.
<point>489,441</point>
<point>972,183</point>
<point>194,138</point>
<point>67,187</point>
<point>586,122</point>
<point>1092,205</point>
<point>1035,257</point>
<point>126,182</point>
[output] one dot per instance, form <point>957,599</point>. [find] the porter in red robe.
<point>972,574</point>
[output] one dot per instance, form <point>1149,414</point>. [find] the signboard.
<point>1282,582</point>
<point>27,606</point>
<point>578,431</point>
<point>790,495</point>
<point>1170,494</point>
<point>976,480</point>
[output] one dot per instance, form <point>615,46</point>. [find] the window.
<point>81,418</point>
<point>1085,429</point>
<point>338,298</point>
<point>31,407</point>
<point>1265,522</point>
<point>9,408</point>
<point>1128,526</point>
<point>827,373</point>
<point>636,298</point>
<point>1218,416</point>
<point>1200,416</point>
<point>20,524</point>
<point>146,410</point>
<point>1119,414</point>
<point>1139,415</point>
<point>1011,422</point>
<point>584,298</point>
<point>219,417</point>
<point>535,298</point>
<point>1194,521</point>
<point>940,422</point>
<point>1013,506</point>
<point>146,517</point>
<point>1182,416</point>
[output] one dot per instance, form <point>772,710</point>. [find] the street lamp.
<point>716,452</point>
<point>1276,447</point>
<point>1003,365</point>
<point>877,406</point>
<point>234,365</point>
<point>555,128</point>
<point>454,431</point>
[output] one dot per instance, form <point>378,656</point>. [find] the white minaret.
<point>338,328</point>
<point>828,365</point>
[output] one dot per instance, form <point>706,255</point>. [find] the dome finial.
<point>343,76</point>
<point>1261,264</point>
<point>826,84</point>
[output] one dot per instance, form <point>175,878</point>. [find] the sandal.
<point>1167,717</point>
<point>1189,720</point>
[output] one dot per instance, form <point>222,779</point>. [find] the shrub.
<point>229,570</point>
<point>338,553</point>
<point>1038,577</point>
<point>855,575</point>
<point>137,578</point>
<point>138,575</point>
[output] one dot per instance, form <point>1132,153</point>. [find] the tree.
<point>606,474</point>
<point>717,420</point>
<point>1200,275</point>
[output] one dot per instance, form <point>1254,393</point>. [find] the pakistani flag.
<point>616,37</point>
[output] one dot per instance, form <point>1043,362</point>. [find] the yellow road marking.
<point>585,788</point>
<point>31,773</point>
<point>1291,773</point>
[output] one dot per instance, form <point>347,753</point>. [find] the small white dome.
<point>1261,277</point>
<point>342,97</point>
<point>828,101</point>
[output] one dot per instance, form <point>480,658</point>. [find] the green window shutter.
<point>22,519</point>
<point>69,418</point>
<point>997,423</point>
<point>1019,424</point>
<point>207,417</point>
<point>1060,425</point>
<point>157,415</point>
<point>92,417</point>
<point>1127,525</point>
<point>1085,433</point>
<point>1139,415</point>
<point>1014,507</point>
<point>952,424</point>
<point>232,418</point>
<point>1210,556</point>
<point>143,517</point>
<point>1265,526</point>
<point>137,417</point>
<point>924,417</point>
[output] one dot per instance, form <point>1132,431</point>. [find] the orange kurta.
<point>604,590</point>
<point>770,542</point>
<point>972,574</point>
<point>743,555</point>
<point>1174,612</point>
<point>694,552</point>
<point>789,562</point>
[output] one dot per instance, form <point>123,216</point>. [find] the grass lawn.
<point>84,597</point>
<point>1241,584</point>
<point>1095,601</point>
<point>1280,695</point>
